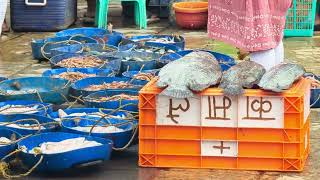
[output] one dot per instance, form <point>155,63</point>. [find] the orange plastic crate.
<point>256,131</point>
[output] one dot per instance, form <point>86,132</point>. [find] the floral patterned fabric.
<point>252,25</point>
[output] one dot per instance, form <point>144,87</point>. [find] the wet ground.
<point>16,61</point>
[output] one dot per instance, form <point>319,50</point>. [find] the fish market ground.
<point>16,61</point>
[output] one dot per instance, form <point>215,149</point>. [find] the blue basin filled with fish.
<point>120,137</point>
<point>9,147</point>
<point>25,107</point>
<point>36,45</point>
<point>160,39</point>
<point>95,114</point>
<point>43,89</point>
<point>132,74</point>
<point>28,123</point>
<point>113,38</point>
<point>3,78</point>
<point>102,62</point>
<point>109,99</point>
<point>66,158</point>
<point>88,86</point>
<point>153,48</point>
<point>84,48</point>
<point>55,42</point>
<point>136,61</point>
<point>89,71</point>
<point>225,61</point>
<point>85,111</point>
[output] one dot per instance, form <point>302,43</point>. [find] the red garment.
<point>252,25</point>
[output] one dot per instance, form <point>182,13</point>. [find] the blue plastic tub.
<point>65,160</point>
<point>3,78</point>
<point>48,90</point>
<point>36,45</point>
<point>96,71</point>
<point>89,100</point>
<point>6,149</point>
<point>42,15</point>
<point>28,117</point>
<point>149,61</point>
<point>86,31</point>
<point>43,108</point>
<point>55,42</point>
<point>139,48</point>
<point>315,98</point>
<point>71,111</point>
<point>315,93</point>
<point>78,88</point>
<point>97,33</point>
<point>131,74</point>
<point>112,63</point>
<point>180,42</point>
<point>225,61</point>
<point>120,139</point>
<point>84,48</point>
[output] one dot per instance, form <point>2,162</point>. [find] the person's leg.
<point>3,8</point>
<point>5,27</point>
<point>317,21</point>
<point>266,58</point>
<point>91,10</point>
<point>279,50</point>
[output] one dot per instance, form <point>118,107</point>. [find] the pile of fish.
<point>62,114</point>
<point>81,62</point>
<point>114,98</point>
<point>18,109</point>
<point>161,51</point>
<point>113,85</point>
<point>62,146</point>
<point>24,126</point>
<point>163,40</point>
<point>18,92</point>
<point>200,70</point>
<point>4,141</point>
<point>147,58</point>
<point>144,76</point>
<point>99,129</point>
<point>140,47</point>
<point>73,76</point>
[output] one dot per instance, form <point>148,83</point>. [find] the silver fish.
<point>281,77</point>
<point>243,75</point>
<point>193,72</point>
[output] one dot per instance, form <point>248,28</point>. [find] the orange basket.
<point>256,131</point>
<point>191,7</point>
<point>191,15</point>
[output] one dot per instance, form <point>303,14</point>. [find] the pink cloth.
<point>252,25</point>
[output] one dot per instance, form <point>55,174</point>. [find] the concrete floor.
<point>16,61</point>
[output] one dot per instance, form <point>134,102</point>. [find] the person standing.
<point>256,26</point>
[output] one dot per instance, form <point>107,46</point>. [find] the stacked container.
<point>256,131</point>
